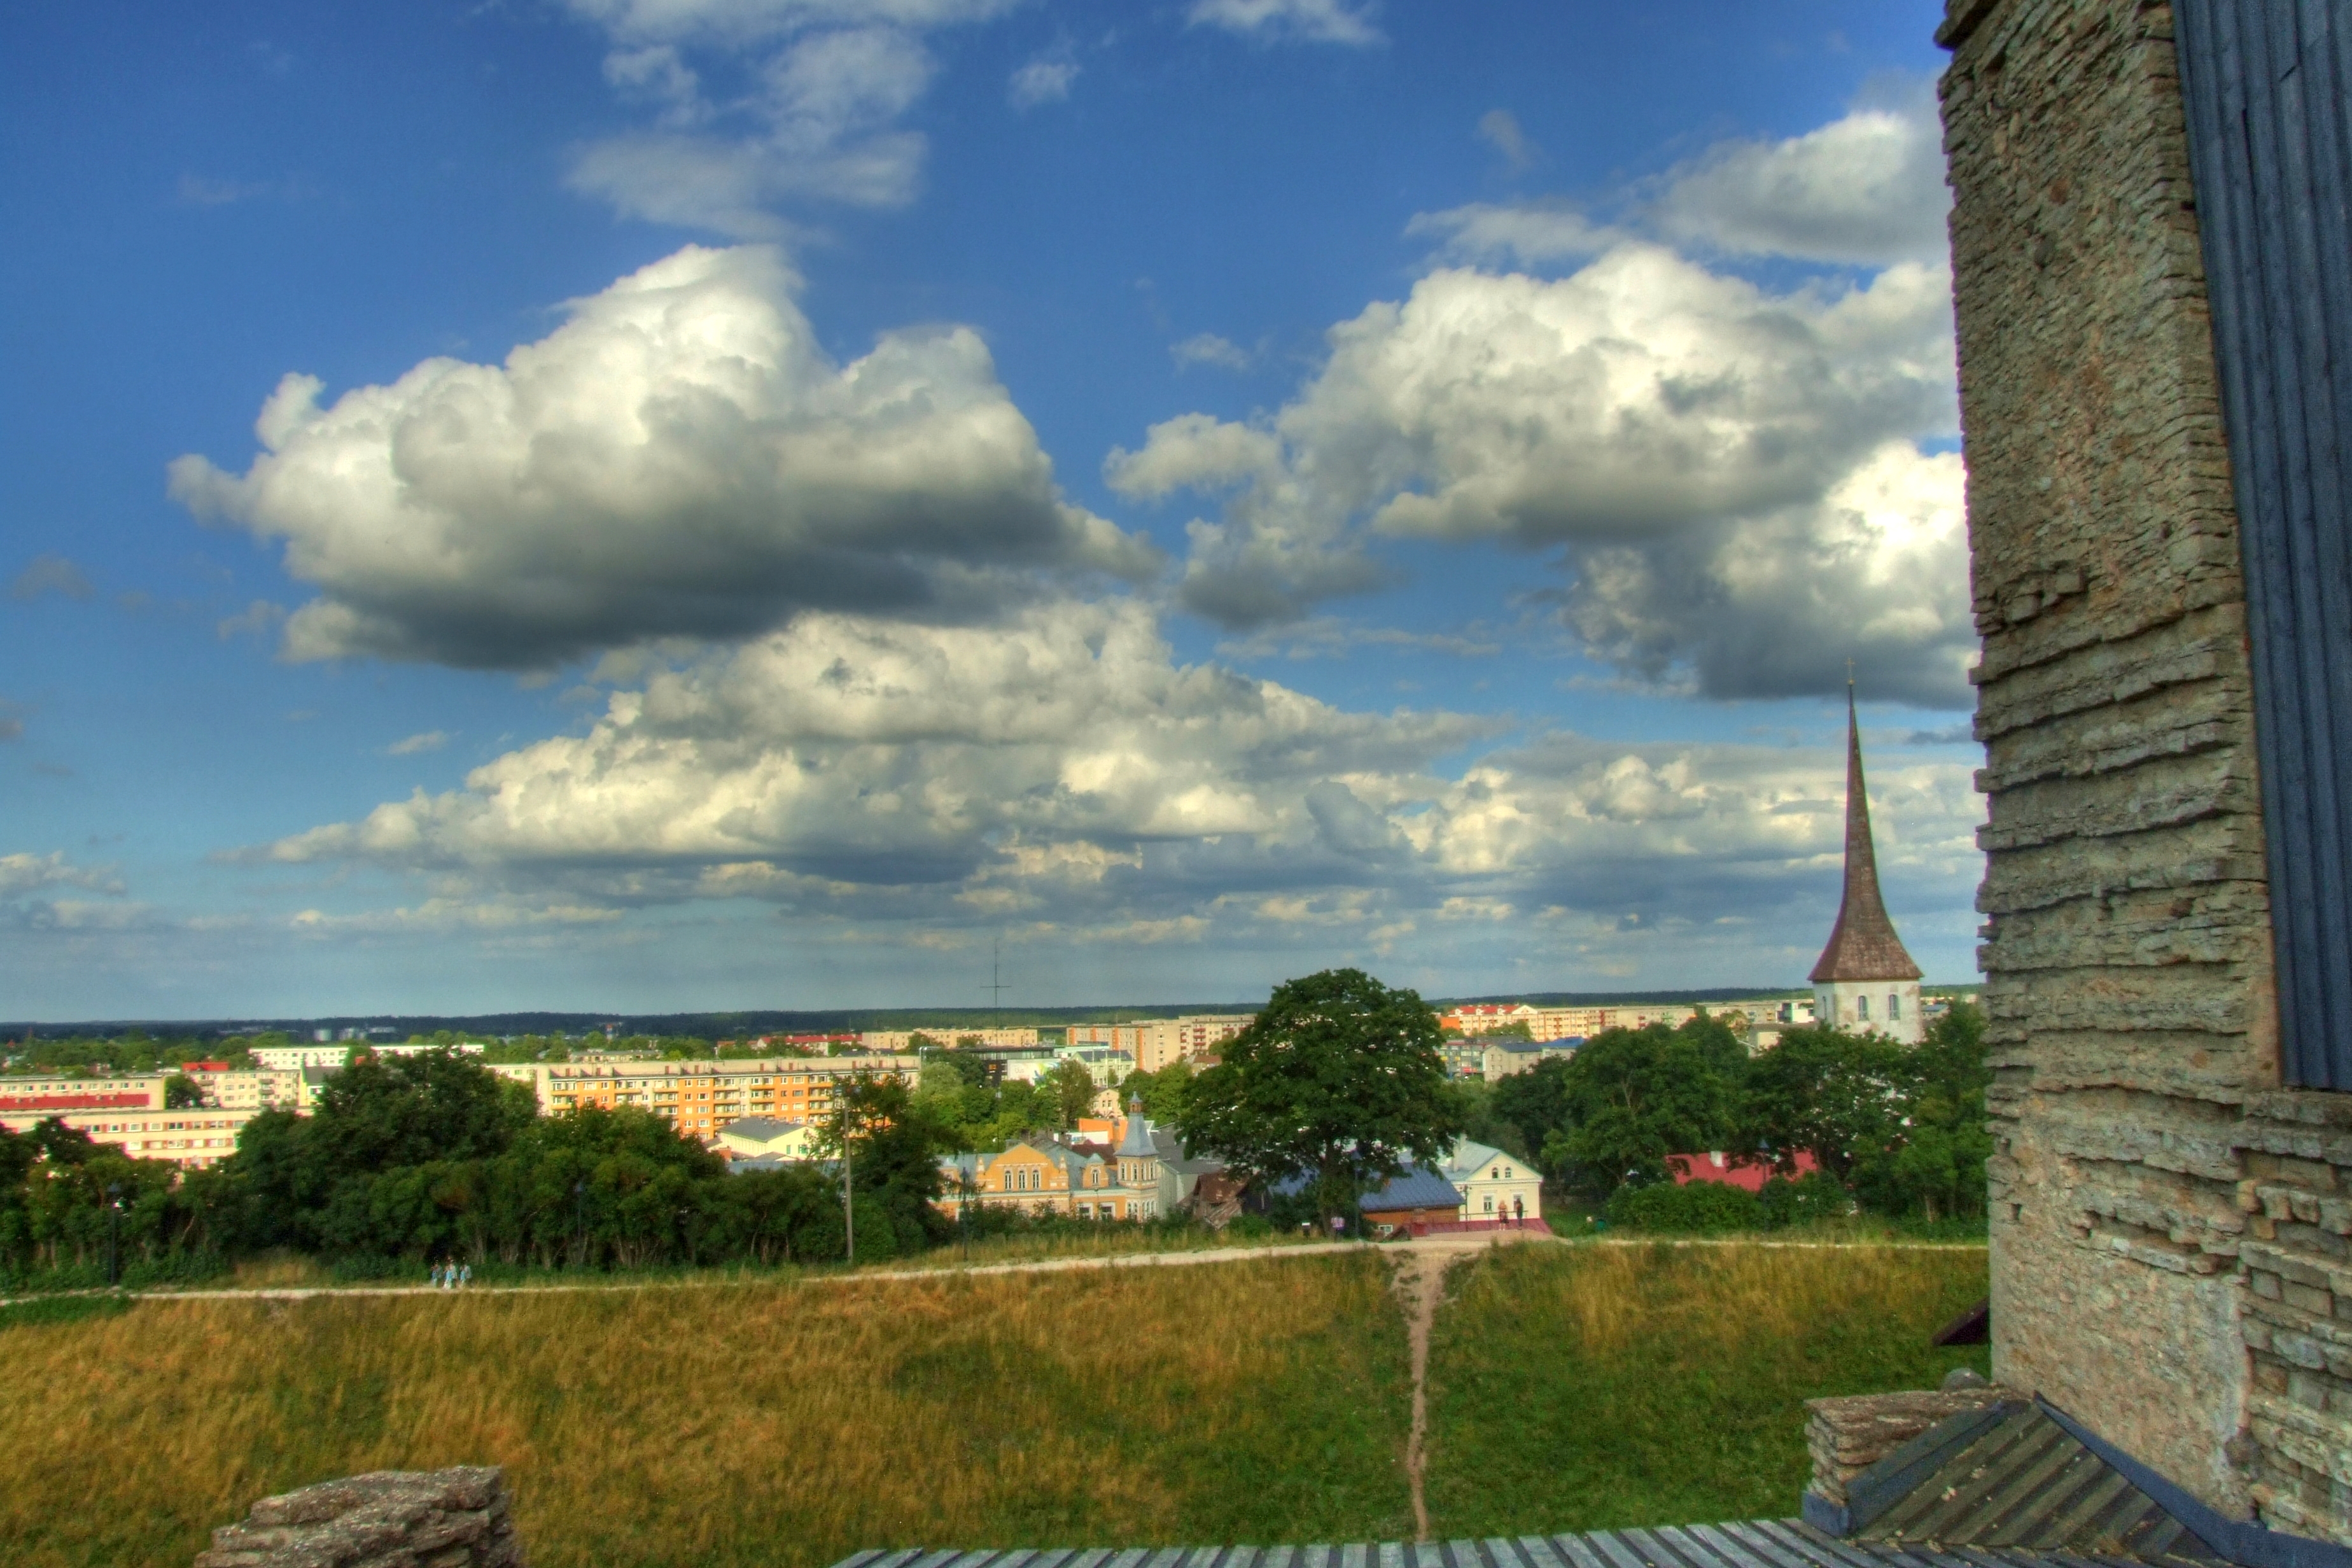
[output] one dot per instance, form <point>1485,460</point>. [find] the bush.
<point>1696,1208</point>
<point>1249,1227</point>
<point>1813,1196</point>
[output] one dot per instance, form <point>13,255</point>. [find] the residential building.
<point>1146,1173</point>
<point>1486,1017</point>
<point>758,1136</point>
<point>895,1041</point>
<point>265,1089</point>
<point>293,1058</point>
<point>1865,980</point>
<point>1045,1176</point>
<point>1464,1059</point>
<point>1412,1201</point>
<point>1491,1183</point>
<point>1155,1043</point>
<point>50,1096</point>
<point>1718,1167</point>
<point>1500,1059</point>
<point>190,1138</point>
<point>699,1097</point>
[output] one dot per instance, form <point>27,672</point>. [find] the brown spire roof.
<point>1862,944</point>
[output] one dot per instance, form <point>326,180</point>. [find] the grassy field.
<point>768,1424</point>
<point>1588,1388</point>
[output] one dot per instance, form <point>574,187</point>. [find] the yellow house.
<point>1042,1176</point>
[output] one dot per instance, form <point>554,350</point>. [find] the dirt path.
<point>1420,1284</point>
<point>1450,1245</point>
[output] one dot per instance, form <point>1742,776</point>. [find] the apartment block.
<point>699,1097</point>
<point>1155,1043</point>
<point>189,1137</point>
<point>39,1096</point>
<point>892,1041</point>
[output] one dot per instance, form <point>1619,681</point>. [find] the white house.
<point>1489,1180</point>
<point>753,1136</point>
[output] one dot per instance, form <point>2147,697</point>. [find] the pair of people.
<point>452,1276</point>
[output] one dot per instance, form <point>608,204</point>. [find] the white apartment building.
<point>294,1059</point>
<point>33,1096</point>
<point>265,1089</point>
<point>190,1138</point>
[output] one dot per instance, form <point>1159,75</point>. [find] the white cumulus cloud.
<point>1064,781</point>
<point>1715,462</point>
<point>679,458</point>
<point>1866,189</point>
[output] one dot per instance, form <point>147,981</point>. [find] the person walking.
<point>465,1275</point>
<point>1518,1211</point>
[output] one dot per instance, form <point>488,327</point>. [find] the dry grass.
<point>767,1424</point>
<point>1594,1387</point>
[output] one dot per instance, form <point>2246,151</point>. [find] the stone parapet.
<point>1847,1436</point>
<point>458,1518</point>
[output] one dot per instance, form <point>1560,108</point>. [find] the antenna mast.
<point>995,979</point>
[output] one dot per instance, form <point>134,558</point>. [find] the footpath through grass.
<point>736,1425</point>
<point>1578,1388</point>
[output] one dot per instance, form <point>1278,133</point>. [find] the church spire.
<point>1862,945</point>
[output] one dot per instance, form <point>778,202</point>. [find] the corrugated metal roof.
<point>2026,1482</point>
<point>1761,1544</point>
<point>1418,1188</point>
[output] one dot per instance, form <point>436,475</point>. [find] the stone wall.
<point>2126,942</point>
<point>458,1518</point>
<point>2297,1195</point>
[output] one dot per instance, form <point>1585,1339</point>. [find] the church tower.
<point>1864,981</point>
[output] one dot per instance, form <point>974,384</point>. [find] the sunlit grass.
<point>1580,1388</point>
<point>747,1425</point>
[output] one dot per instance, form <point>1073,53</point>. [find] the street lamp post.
<point>114,1234</point>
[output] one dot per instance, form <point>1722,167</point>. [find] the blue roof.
<point>1418,1188</point>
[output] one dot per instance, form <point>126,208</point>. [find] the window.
<point>1894,1005</point>
<point>1862,1007</point>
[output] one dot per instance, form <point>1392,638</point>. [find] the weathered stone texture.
<point>458,1518</point>
<point>1847,1436</point>
<point>2126,944</point>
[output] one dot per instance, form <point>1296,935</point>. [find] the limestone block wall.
<point>456,1518</point>
<point>2126,936</point>
<point>2298,1268</point>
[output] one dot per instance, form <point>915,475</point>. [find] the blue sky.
<point>652,504</point>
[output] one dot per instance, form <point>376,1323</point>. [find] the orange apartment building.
<point>699,1097</point>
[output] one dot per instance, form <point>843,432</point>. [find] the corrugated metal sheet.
<point>1762,1544</point>
<point>2268,85</point>
<point>2026,1482</point>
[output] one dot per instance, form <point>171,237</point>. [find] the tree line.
<point>1902,1128</point>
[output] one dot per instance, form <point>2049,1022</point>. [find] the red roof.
<point>1718,1167</point>
<point>76,1102</point>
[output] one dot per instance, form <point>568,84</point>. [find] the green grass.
<point>1596,1387</point>
<point>737,1426</point>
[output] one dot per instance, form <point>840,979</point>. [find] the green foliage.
<point>1813,1199</point>
<point>1629,1098</point>
<point>1163,1093</point>
<point>1901,1129</point>
<point>1482,1122</point>
<point>1340,1077</point>
<point>1069,1089</point>
<point>1694,1208</point>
